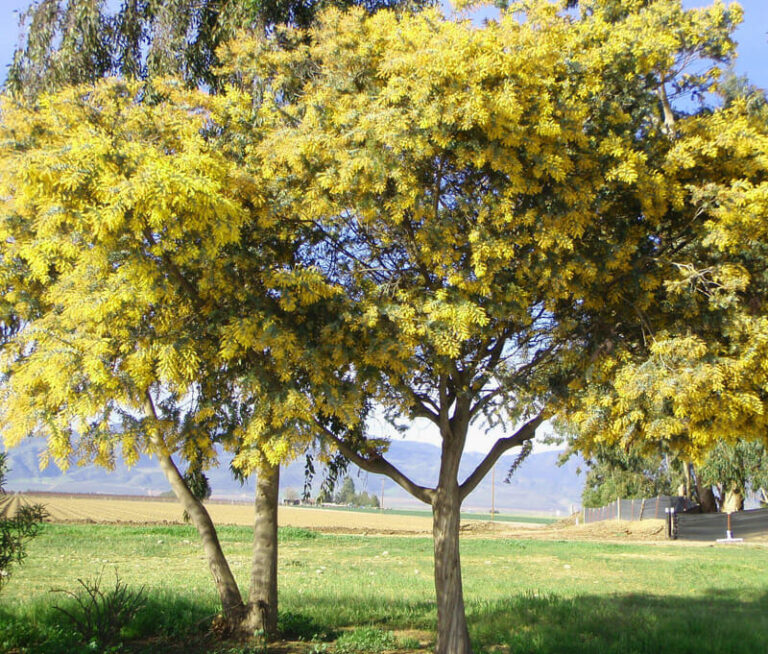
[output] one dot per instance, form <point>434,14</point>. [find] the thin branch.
<point>669,116</point>
<point>538,357</point>
<point>176,273</point>
<point>525,433</point>
<point>379,465</point>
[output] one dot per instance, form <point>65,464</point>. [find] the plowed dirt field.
<point>137,510</point>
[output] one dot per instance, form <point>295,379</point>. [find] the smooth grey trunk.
<point>229,593</point>
<point>452,632</point>
<point>262,598</point>
<point>446,500</point>
<point>231,600</point>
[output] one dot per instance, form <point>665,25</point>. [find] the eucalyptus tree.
<point>75,41</point>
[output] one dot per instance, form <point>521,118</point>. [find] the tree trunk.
<point>262,599</point>
<point>229,593</point>
<point>733,501</point>
<point>707,499</point>
<point>688,485</point>
<point>452,633</point>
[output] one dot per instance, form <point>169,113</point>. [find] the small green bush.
<point>303,627</point>
<point>365,639</point>
<point>98,615</point>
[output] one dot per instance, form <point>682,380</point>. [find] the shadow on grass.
<point>719,623</point>
<point>167,623</point>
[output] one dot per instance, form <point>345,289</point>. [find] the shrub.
<point>17,529</point>
<point>98,615</point>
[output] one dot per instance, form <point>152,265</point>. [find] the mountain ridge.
<point>538,485</point>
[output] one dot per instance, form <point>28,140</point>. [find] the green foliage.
<point>16,530</point>
<point>98,615</point>
<point>365,639</point>
<point>347,495</point>
<point>295,533</point>
<point>75,41</point>
<point>299,626</point>
<point>613,472</point>
<point>741,467</point>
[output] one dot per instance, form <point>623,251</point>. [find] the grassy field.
<point>353,593</point>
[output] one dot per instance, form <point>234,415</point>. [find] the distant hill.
<point>539,485</point>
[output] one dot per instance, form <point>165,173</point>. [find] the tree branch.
<point>379,466</point>
<point>525,433</point>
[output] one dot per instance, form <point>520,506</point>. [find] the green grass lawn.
<point>365,594</point>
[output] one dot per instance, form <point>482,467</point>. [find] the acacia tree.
<point>93,207</point>
<point>134,247</point>
<point>494,204</point>
<point>73,42</point>
<point>698,383</point>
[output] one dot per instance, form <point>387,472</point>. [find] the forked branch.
<point>525,433</point>
<point>379,465</point>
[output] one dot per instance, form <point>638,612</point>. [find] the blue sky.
<point>752,37</point>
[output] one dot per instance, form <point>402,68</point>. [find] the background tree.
<point>346,494</point>
<point>614,473</point>
<point>17,529</point>
<point>75,41</point>
<point>734,470</point>
<point>496,205</point>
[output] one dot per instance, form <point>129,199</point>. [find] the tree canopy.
<point>501,207</point>
<point>68,42</point>
<point>701,377</point>
<point>466,225</point>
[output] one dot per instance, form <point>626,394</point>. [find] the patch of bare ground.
<point>607,531</point>
<point>147,511</point>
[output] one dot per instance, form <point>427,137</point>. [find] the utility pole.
<point>381,504</point>
<point>493,492</point>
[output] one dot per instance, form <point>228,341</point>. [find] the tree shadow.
<point>720,622</point>
<point>168,622</point>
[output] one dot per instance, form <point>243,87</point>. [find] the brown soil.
<point>139,510</point>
